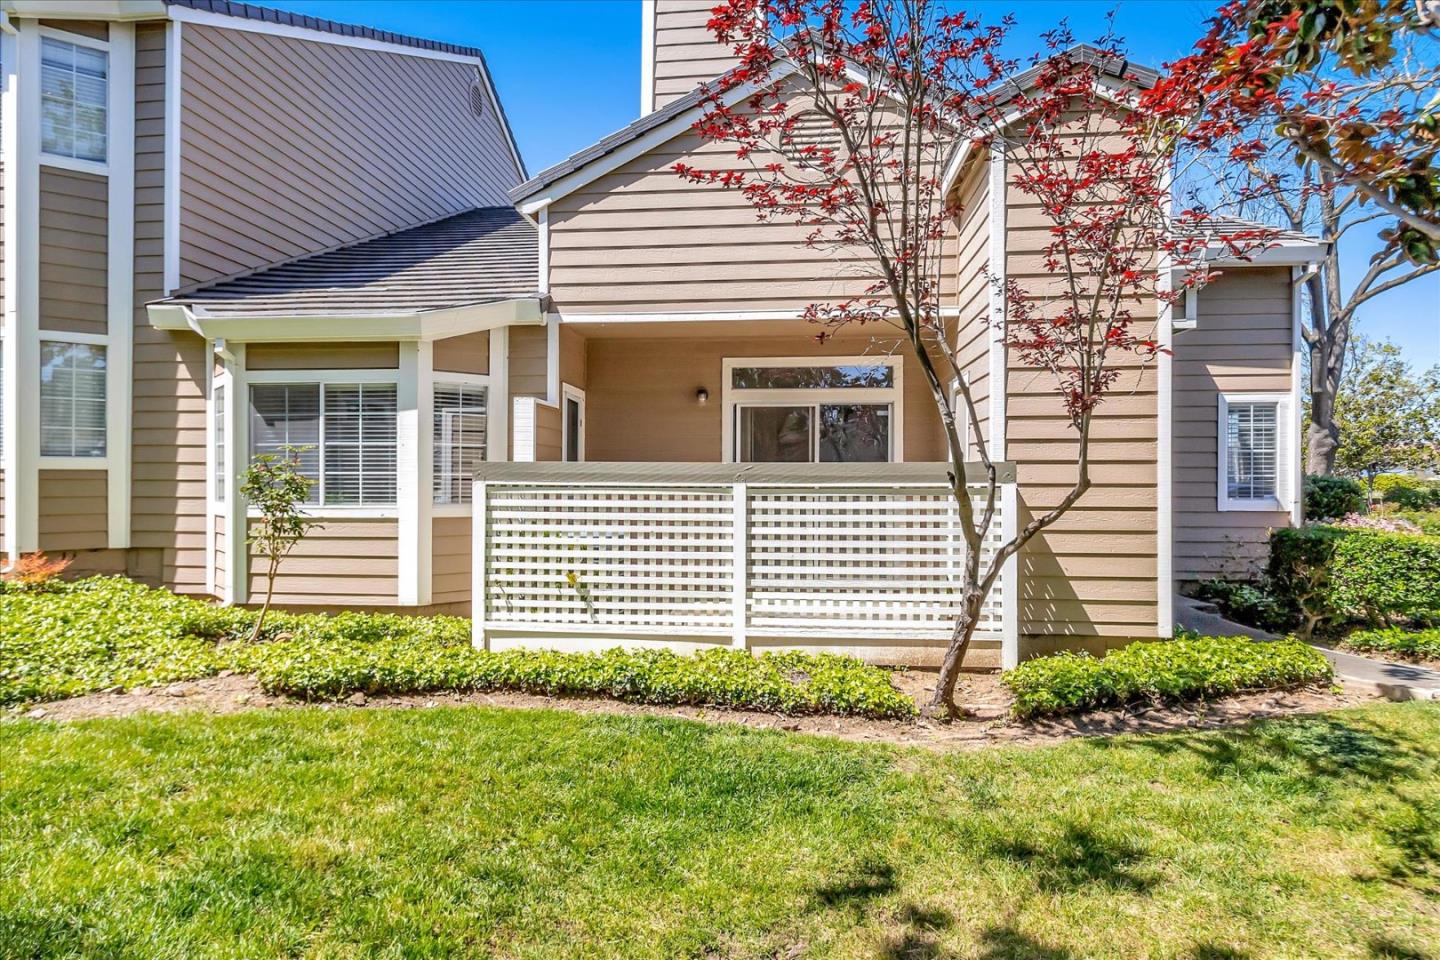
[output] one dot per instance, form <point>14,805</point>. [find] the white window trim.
<point>79,164</point>
<point>569,392</point>
<point>1284,455</point>
<point>733,398</point>
<point>442,378</point>
<point>315,377</point>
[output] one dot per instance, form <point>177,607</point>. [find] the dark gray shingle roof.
<point>480,256</point>
<point>250,11</point>
<point>1220,227</point>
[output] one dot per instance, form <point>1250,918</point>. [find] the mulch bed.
<point>986,703</point>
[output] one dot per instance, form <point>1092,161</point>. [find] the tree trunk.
<point>269,594</point>
<point>1322,437</point>
<point>942,704</point>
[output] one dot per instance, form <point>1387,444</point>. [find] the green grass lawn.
<point>471,832</point>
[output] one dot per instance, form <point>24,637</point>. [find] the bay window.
<point>72,399</point>
<point>802,411</point>
<point>345,433</point>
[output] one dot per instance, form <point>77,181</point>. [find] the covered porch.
<point>855,558</point>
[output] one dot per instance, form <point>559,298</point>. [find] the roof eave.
<point>370,327</point>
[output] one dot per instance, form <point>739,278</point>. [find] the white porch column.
<point>21,343</point>
<point>739,574</point>
<point>237,456</point>
<point>413,494</point>
<point>1010,578</point>
<point>120,287</point>
<point>497,405</point>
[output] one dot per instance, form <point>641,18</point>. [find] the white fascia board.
<point>716,316</point>
<point>430,325</point>
<point>1285,254</point>
<point>86,9</point>
<point>209,19</point>
<point>647,56</point>
<point>621,155</point>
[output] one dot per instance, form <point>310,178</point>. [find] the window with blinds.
<point>345,432</point>
<point>1252,446</point>
<point>74,90</point>
<point>459,442</point>
<point>219,391</point>
<point>72,400</point>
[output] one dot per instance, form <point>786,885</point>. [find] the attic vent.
<point>811,128</point>
<point>477,97</point>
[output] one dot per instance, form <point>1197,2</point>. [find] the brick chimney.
<point>677,52</point>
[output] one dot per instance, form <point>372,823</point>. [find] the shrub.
<point>35,571</point>
<point>1171,670</point>
<point>1247,603</point>
<point>1406,644</point>
<point>108,631</point>
<point>1333,573</point>
<point>1407,492</point>
<point>1383,575</point>
<point>1330,497</point>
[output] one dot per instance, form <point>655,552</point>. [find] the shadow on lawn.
<point>1077,859</point>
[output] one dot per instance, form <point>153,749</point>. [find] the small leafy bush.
<point>1168,670</point>
<point>1333,573</point>
<point>792,683</point>
<point>1405,644</point>
<point>1247,603</point>
<point>108,631</point>
<point>1329,497</point>
<point>1407,492</point>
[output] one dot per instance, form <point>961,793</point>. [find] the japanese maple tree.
<point>904,94</point>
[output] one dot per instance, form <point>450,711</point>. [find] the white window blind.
<point>459,445</point>
<point>1252,443</point>
<point>74,88</point>
<point>347,430</point>
<point>72,400</point>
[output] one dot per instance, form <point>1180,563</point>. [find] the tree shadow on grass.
<point>1316,752</point>
<point>1383,948</point>
<point>1077,859</point>
<point>1007,943</point>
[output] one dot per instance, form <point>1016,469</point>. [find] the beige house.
<point>223,235</point>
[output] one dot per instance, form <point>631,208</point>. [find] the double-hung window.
<point>459,440</point>
<point>793,410</point>
<point>1255,459</point>
<point>74,94</point>
<point>72,399</point>
<point>344,432</point>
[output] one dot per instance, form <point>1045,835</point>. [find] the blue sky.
<point>569,73</point>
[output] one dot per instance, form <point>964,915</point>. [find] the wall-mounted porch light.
<point>702,396</point>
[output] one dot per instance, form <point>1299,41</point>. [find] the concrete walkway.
<point>1393,681</point>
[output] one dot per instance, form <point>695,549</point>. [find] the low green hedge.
<point>1406,644</point>
<point>111,632</point>
<point>1339,573</point>
<point>1329,498</point>
<point>1171,670</point>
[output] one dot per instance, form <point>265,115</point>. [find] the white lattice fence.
<point>649,560</point>
<point>877,563</point>
<point>859,563</point>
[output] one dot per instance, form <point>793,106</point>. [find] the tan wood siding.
<point>1242,343</point>
<point>168,510</point>
<point>322,356</point>
<point>352,143</point>
<point>686,52</point>
<point>73,510</point>
<point>641,395</point>
<point>469,353</point>
<point>572,357</point>
<point>641,240</point>
<point>528,373</point>
<point>450,550</point>
<point>74,227</point>
<point>94,29</point>
<point>1094,574</point>
<point>972,296</point>
<point>345,562</point>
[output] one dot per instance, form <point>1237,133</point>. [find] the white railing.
<point>868,555</point>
